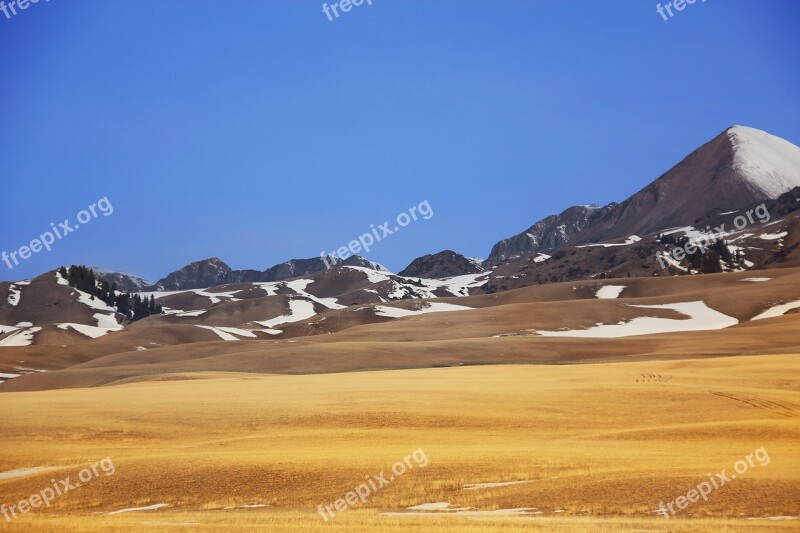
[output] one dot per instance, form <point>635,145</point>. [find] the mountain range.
<point>737,170</point>
<point>744,182</point>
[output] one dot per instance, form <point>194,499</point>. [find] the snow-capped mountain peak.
<point>767,163</point>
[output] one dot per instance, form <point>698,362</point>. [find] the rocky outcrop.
<point>548,234</point>
<point>442,265</point>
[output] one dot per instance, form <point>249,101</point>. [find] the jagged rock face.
<point>787,203</point>
<point>205,273</point>
<point>548,234</point>
<point>442,265</point>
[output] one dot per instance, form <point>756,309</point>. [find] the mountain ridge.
<point>213,271</point>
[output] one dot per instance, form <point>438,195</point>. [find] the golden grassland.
<point>601,444</point>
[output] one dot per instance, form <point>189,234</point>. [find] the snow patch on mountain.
<point>216,297</point>
<point>630,240</point>
<point>770,164</point>
<point>373,276</point>
<point>773,236</point>
<point>299,309</point>
<point>458,285</point>
<point>23,337</point>
<point>299,287</point>
<point>14,294</point>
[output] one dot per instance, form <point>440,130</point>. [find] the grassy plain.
<point>600,445</point>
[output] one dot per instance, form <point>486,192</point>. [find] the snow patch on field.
<point>132,509</point>
<point>778,310</point>
<point>444,508</point>
<point>191,313</point>
<point>227,334</point>
<point>610,292</point>
<point>238,331</point>
<point>700,318</point>
<point>28,370</point>
<point>756,280</point>
<point>246,506</point>
<point>430,307</point>
<point>22,472</point>
<point>472,486</point>
<point>438,506</point>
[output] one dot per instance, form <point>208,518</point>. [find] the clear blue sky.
<point>258,131</point>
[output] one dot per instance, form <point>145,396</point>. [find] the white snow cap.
<point>770,164</point>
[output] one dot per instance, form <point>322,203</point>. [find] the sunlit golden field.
<point>600,444</point>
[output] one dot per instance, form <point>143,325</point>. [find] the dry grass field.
<point>597,445</point>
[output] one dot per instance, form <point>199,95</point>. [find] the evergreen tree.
<point>133,308</point>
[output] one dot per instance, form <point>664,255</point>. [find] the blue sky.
<point>259,131</point>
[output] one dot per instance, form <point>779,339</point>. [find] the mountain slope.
<point>736,169</point>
